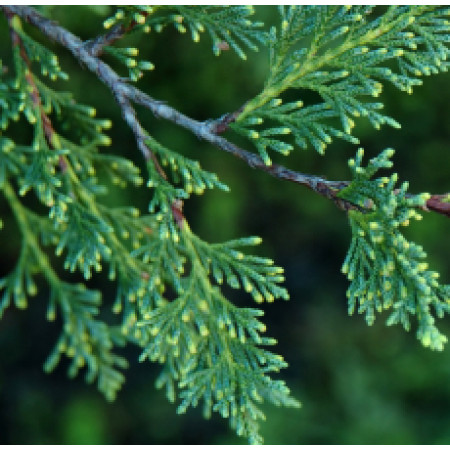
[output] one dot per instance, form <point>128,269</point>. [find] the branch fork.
<point>88,54</point>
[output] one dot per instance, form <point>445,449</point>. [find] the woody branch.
<point>124,93</point>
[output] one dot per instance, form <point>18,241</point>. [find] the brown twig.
<point>220,125</point>
<point>439,204</point>
<point>209,130</point>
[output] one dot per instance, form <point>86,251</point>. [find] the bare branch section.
<point>95,46</point>
<point>130,118</point>
<point>440,204</point>
<point>124,93</point>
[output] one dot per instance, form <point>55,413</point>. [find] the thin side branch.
<point>209,130</point>
<point>130,118</point>
<point>440,204</point>
<point>95,46</point>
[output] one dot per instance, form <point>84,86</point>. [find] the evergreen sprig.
<point>19,284</point>
<point>256,275</point>
<point>211,349</point>
<point>185,171</point>
<point>36,52</point>
<point>386,271</point>
<point>85,339</point>
<point>227,26</point>
<point>344,54</point>
<point>127,56</point>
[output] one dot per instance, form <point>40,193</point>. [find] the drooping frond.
<point>385,270</point>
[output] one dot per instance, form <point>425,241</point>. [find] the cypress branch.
<point>169,281</point>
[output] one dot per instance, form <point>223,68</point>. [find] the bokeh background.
<point>358,384</point>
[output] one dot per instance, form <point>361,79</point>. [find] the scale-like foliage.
<point>148,256</point>
<point>257,275</point>
<point>185,171</point>
<point>386,271</point>
<point>344,54</point>
<point>10,161</point>
<point>85,339</point>
<point>48,167</point>
<point>127,56</point>
<point>169,297</point>
<point>11,102</point>
<point>227,26</point>
<point>209,347</point>
<point>19,284</point>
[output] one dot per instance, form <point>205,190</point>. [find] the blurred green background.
<point>358,384</point>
